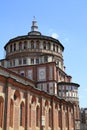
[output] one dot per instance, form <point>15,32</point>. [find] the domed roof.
<point>34,34</point>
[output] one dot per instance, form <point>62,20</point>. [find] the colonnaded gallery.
<point>35,91</point>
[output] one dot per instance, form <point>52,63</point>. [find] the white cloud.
<point>55,35</point>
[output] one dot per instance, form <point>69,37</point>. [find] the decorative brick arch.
<point>17,97</point>
<point>1,110</point>
<point>46,103</point>
<point>56,105</point>
<point>33,100</point>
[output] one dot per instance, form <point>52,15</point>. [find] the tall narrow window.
<point>1,111</point>
<point>66,119</point>
<point>44,45</point>
<point>53,47</point>
<point>32,61</point>
<point>59,118</point>
<point>20,45</point>
<point>50,118</point>
<point>24,61</point>
<point>22,115</point>
<point>10,48</point>
<point>37,116</point>
<point>57,48</point>
<point>45,58</point>
<point>10,63</point>
<point>32,44</point>
<point>13,62</point>
<point>20,61</point>
<point>25,44</point>
<point>11,113</point>
<point>30,115</point>
<point>37,44</point>
<point>37,61</point>
<point>48,45</point>
<point>72,119</point>
<point>14,46</point>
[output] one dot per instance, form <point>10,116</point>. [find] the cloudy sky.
<point>65,20</point>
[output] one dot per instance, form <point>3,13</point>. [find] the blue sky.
<point>65,18</point>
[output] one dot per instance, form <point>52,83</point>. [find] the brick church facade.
<point>35,91</point>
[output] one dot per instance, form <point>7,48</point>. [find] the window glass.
<point>32,61</point>
<point>24,61</point>
<point>25,44</point>
<point>20,61</point>
<point>37,61</point>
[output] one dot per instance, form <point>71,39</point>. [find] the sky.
<point>66,20</point>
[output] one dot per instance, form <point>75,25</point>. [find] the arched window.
<point>14,46</point>
<point>33,101</point>
<point>46,103</point>
<point>16,97</point>
<point>20,45</point>
<point>32,44</point>
<point>1,111</point>
<point>37,44</point>
<point>22,115</point>
<point>10,48</point>
<point>48,45</point>
<point>44,45</point>
<point>53,47</point>
<point>57,48</point>
<point>11,113</point>
<point>37,116</point>
<point>25,44</point>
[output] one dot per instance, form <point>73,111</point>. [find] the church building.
<point>35,91</point>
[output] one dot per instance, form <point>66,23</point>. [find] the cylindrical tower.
<point>32,49</point>
<point>39,58</point>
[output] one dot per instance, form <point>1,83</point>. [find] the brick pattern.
<point>27,109</point>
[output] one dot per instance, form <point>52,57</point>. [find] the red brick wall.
<point>34,98</point>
